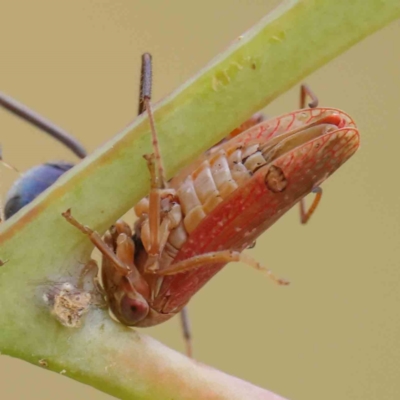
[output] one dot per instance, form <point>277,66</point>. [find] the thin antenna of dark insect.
<point>145,104</point>
<point>44,124</point>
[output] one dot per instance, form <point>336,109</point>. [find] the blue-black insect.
<point>39,178</point>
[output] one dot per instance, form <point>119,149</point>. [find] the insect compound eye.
<point>13,205</point>
<point>133,310</point>
<point>275,179</point>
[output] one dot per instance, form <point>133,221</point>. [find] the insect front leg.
<point>126,289</point>
<point>162,209</point>
<point>122,258</point>
<point>90,267</point>
<point>159,214</point>
<point>89,274</point>
<point>98,242</point>
<point>156,228</point>
<point>305,215</point>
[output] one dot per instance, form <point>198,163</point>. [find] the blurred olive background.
<point>335,332</point>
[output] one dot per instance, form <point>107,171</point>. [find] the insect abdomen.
<point>214,181</point>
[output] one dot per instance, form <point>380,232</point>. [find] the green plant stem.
<point>289,43</point>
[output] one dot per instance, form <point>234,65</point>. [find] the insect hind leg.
<point>186,331</point>
<point>305,215</point>
<point>305,91</point>
<point>218,257</point>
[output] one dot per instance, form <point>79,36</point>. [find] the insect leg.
<point>158,234</point>
<point>121,260</point>
<point>159,214</point>
<point>122,227</point>
<point>154,210</point>
<point>125,251</point>
<point>306,215</point>
<point>154,161</point>
<point>252,121</point>
<point>92,268</point>
<point>96,239</point>
<point>187,332</point>
<point>216,257</point>
<point>305,92</point>
<point>158,228</point>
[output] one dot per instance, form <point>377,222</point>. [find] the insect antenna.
<point>42,123</point>
<point>145,104</point>
<point>39,178</point>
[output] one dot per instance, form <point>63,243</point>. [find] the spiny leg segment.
<point>216,257</point>
<point>98,242</point>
